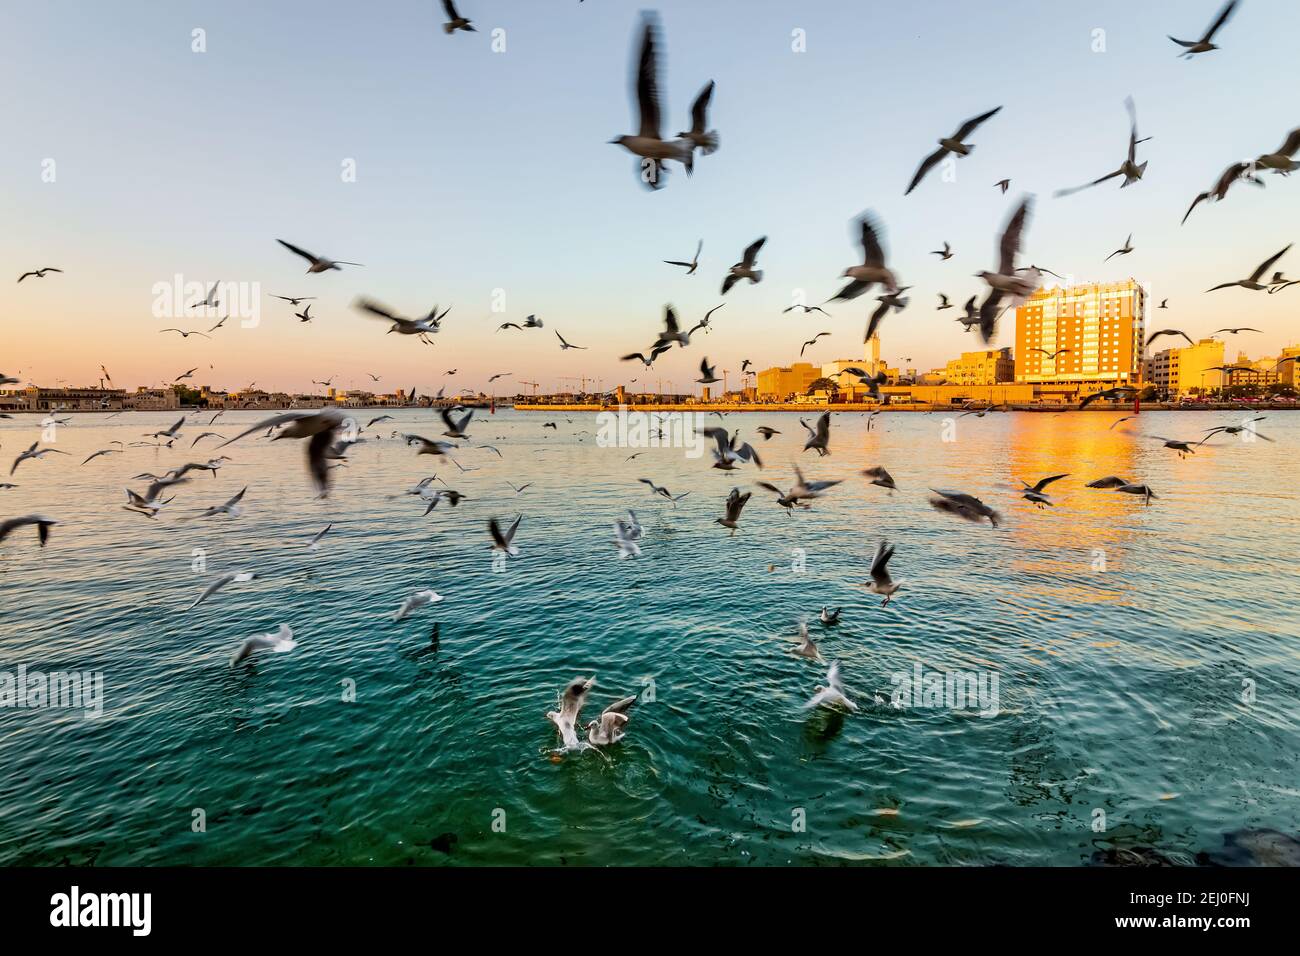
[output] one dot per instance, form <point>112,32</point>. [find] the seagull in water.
<point>1203,45</point>
<point>744,269</point>
<point>571,701</point>
<point>830,618</point>
<point>280,642</point>
<point>806,647</point>
<point>832,695</point>
<point>950,144</point>
<point>625,538</point>
<point>648,142</point>
<point>610,729</point>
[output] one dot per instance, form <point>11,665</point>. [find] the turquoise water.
<point>1120,690</point>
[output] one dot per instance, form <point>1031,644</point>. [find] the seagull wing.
<point>1222,19</point>
<point>700,115</point>
<point>1268,264</point>
<point>647,86</point>
<point>971,125</point>
<point>926,165</point>
<point>1010,244</point>
<point>751,253</point>
<point>296,251</point>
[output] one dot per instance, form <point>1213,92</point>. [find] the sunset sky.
<point>479,171</point>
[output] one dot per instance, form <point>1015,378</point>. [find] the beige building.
<point>152,399</point>
<point>1084,335</point>
<point>987,367</point>
<point>781,383</point>
<point>1190,370</point>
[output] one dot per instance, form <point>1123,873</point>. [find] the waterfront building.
<point>781,383</point>
<point>1189,370</point>
<point>986,367</point>
<point>1103,326</point>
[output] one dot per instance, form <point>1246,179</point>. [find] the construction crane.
<point>533,384</point>
<point>582,381</point>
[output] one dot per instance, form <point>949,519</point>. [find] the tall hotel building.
<point>1102,325</point>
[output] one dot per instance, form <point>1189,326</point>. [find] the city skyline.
<point>198,162</point>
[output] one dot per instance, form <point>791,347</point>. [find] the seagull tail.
<point>709,142</point>
<point>448,27</point>
<point>758,276</point>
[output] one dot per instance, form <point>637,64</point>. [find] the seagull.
<point>766,432</point>
<point>39,273</point>
<point>672,332</point>
<point>1143,490</point>
<point>1051,356</point>
<point>454,20</point>
<point>1240,170</point>
<point>233,577</point>
<point>416,601</point>
<point>699,135</point>
<point>1003,184</point>
<point>887,302</point>
<point>819,437</point>
<point>663,492</point>
<point>694,263</point>
<point>1118,393</point>
<point>102,451</point>
<point>951,144</point>
<point>963,506</point>
<point>314,543</point>
<point>456,429</point>
<point>43,525</point>
<point>280,642</point>
<point>647,362</point>
<point>1123,250</point>
<point>1203,45</point>
<point>33,453</point>
<point>806,309</point>
<point>706,372</point>
<point>734,504</point>
<point>1164,304</point>
<point>304,315</point>
<point>520,488</point>
<point>832,695</point>
<point>880,477</point>
<point>231,507</point>
<point>704,323</point>
<point>1117,421</point>
<point>1281,161</point>
<point>648,143</point>
<point>1252,282</point>
<point>1129,169</point>
<point>1110,481</point>
<point>1235,331</point>
<point>881,582</point>
<point>811,341</point>
<point>943,303</point>
<point>319,426</point>
<point>499,375</point>
<point>744,269</point>
<point>1183,448</point>
<point>186,334</point>
<point>1235,430</point>
<point>830,618</point>
<point>806,647</point>
<point>565,346</point>
<point>972,316</point>
<point>1007,280</point>
<point>428,446</point>
<point>318,263</point>
<point>945,253</point>
<point>209,300</point>
<point>873,268</point>
<point>172,432</point>
<point>802,490</point>
<point>571,701</point>
<point>1035,493</point>
<point>613,719</point>
<point>219,324</point>
<point>504,542</point>
<point>185,375</point>
<point>726,455</point>
<point>533,322</point>
<point>1155,335</point>
<point>294,301</point>
<point>423,328</point>
<point>625,540</point>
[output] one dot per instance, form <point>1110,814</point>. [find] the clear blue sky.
<point>480,171</point>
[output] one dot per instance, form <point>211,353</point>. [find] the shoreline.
<point>908,407</point>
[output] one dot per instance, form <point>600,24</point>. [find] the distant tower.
<point>871,354</point>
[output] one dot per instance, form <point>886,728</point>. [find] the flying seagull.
<point>734,504</point>
<point>1252,281</point>
<point>648,142</point>
<point>294,301</point>
<point>945,253</point>
<point>663,492</point>
<point>811,341</point>
<point>819,437</point>
<point>726,455</point>
<point>233,577</point>
<point>1008,280</point>
<point>185,334</point>
<point>1129,169</point>
<point>693,264</point>
<point>950,144</point>
<point>280,642</point>
<point>1155,335</point>
<point>1240,170</point>
<point>231,507</point>
<point>1123,250</point>
<point>881,582</point>
<point>802,490</point>
<point>873,268</point>
<point>1035,493</point>
<point>456,429</point>
<point>707,376</point>
<point>744,269</point>
<point>699,135</point>
<point>39,273</point>
<point>34,454</point>
<point>42,523</point>
<point>1203,45</point>
<point>318,426</point>
<point>1281,160</point>
<point>317,263</point>
<point>416,601</point>
<point>504,542</point>
<point>880,477</point>
<point>565,346</point>
<point>454,20</point>
<point>963,506</point>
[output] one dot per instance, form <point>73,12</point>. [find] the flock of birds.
<point>329,433</point>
